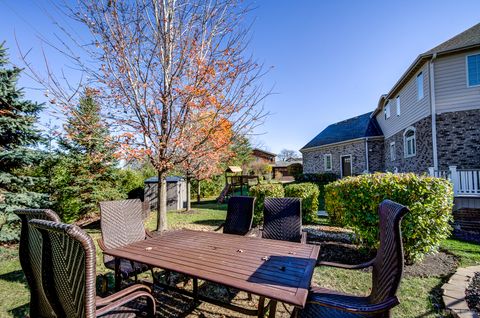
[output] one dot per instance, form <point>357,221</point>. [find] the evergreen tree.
<point>17,137</point>
<point>87,172</point>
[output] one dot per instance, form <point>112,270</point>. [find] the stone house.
<point>429,120</point>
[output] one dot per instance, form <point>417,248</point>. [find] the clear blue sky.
<point>331,60</point>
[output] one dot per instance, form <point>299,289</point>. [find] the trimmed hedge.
<point>353,202</point>
<point>320,179</point>
<point>262,191</point>
<point>309,193</point>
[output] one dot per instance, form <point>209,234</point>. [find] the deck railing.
<point>466,182</point>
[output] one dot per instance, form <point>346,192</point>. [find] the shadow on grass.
<point>14,277</point>
<point>435,297</point>
<point>20,311</point>
<point>209,222</point>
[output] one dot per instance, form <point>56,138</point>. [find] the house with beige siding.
<point>430,119</point>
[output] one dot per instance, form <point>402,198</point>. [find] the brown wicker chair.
<point>68,274</point>
<point>122,224</point>
<point>30,254</point>
<point>386,275</point>
<point>239,215</point>
<point>282,220</point>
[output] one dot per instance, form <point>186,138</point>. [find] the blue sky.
<point>331,60</point>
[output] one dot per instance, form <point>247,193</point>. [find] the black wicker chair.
<point>68,274</point>
<point>239,215</point>
<point>282,220</point>
<point>122,224</point>
<point>386,275</point>
<point>30,254</point>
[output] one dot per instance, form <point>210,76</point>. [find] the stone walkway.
<point>454,292</point>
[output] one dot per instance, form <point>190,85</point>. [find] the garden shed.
<point>176,192</point>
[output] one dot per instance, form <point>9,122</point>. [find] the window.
<point>420,86</point>
<point>387,110</point>
<point>409,142</point>
<point>392,151</point>
<point>473,70</point>
<point>398,105</point>
<point>327,162</point>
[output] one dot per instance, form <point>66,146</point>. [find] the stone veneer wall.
<point>313,160</point>
<point>424,156</point>
<point>458,139</point>
<point>376,155</point>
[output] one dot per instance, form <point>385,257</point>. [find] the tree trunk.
<point>189,202</point>
<point>161,202</point>
<point>198,191</point>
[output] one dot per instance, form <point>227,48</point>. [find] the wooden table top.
<point>278,270</point>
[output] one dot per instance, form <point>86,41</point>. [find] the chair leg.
<point>118,276</point>
<point>294,312</point>
<point>261,307</point>
<point>195,290</point>
<point>272,309</point>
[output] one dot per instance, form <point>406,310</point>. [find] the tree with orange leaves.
<point>158,65</point>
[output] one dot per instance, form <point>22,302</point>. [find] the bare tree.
<point>288,155</point>
<point>161,64</point>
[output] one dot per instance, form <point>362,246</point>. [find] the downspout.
<point>366,155</point>
<point>433,111</point>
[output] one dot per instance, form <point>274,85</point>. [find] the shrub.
<point>308,192</point>
<point>353,202</point>
<point>208,187</point>
<point>262,191</point>
<point>320,179</point>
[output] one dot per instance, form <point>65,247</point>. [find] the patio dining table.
<point>275,270</point>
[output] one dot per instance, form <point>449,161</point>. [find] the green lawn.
<point>419,296</point>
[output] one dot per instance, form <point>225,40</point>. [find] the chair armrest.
<point>303,240</point>
<point>102,301</point>
<point>220,226</point>
<point>386,305</point>
<point>101,244</point>
<point>126,299</point>
<point>345,266</point>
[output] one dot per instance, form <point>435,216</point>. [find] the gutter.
<point>433,111</point>
<point>366,155</point>
<point>339,143</point>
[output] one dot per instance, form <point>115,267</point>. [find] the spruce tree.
<point>89,163</point>
<point>18,136</point>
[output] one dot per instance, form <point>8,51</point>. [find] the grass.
<point>420,297</point>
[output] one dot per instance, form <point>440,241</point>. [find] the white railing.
<point>466,182</point>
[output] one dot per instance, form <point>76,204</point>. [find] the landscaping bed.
<point>473,293</point>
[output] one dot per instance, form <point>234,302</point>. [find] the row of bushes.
<point>321,180</point>
<point>353,202</point>
<point>308,192</point>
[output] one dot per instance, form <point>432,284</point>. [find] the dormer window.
<point>387,110</point>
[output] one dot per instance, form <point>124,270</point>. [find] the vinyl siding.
<point>451,90</point>
<point>412,109</point>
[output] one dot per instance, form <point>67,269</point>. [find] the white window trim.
<point>341,165</point>
<point>416,83</point>
<point>394,157</point>
<point>405,148</point>
<point>466,68</point>
<point>387,110</point>
<point>398,102</point>
<point>325,156</point>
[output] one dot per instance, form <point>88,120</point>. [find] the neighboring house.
<point>284,169</point>
<point>260,155</point>
<point>430,118</point>
<point>349,147</point>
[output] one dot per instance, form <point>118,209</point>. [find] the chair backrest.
<point>282,219</point>
<point>68,260</point>
<point>121,223</point>
<point>30,254</point>
<point>388,264</point>
<point>239,215</point>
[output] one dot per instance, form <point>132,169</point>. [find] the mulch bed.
<point>472,294</point>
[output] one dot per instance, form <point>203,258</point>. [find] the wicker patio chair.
<point>68,274</point>
<point>386,275</point>
<point>282,220</point>
<point>122,224</point>
<point>30,254</point>
<point>239,215</point>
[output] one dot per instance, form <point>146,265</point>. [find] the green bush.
<point>320,179</point>
<point>208,187</point>
<point>353,202</point>
<point>262,191</point>
<point>309,193</point>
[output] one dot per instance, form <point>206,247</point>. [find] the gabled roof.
<point>468,39</point>
<point>353,128</point>
<point>264,151</point>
